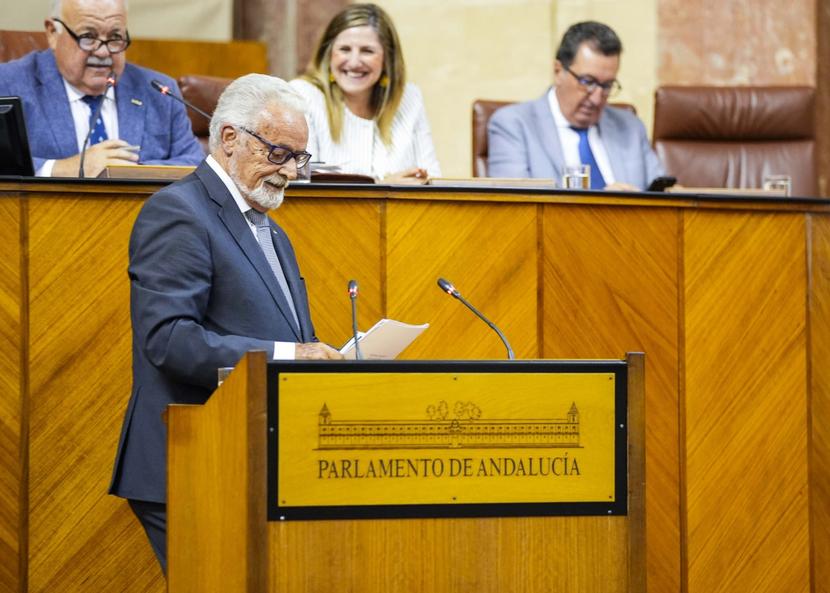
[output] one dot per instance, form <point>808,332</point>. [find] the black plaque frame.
<point>619,506</point>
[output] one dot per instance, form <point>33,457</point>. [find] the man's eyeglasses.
<point>279,155</point>
<point>590,84</point>
<point>89,42</point>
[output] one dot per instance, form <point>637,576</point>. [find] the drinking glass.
<point>577,177</point>
<point>783,183</point>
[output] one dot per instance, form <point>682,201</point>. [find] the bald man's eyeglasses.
<point>89,42</point>
<point>590,84</point>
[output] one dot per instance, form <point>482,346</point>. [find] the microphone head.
<point>163,89</point>
<point>447,287</point>
<point>111,79</point>
<point>353,288</point>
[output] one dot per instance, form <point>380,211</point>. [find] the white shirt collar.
<point>76,95</point>
<point>556,111</point>
<point>228,182</point>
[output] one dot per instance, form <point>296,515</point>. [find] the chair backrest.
<point>203,92</point>
<point>732,136</point>
<point>483,109</point>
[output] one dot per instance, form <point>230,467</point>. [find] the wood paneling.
<point>819,332</point>
<point>462,555</point>
<point>489,252</point>
<point>80,383</point>
<point>12,336</point>
<point>715,292</point>
<point>746,402</point>
<point>217,455</point>
<point>331,250</point>
<point>610,278</point>
<point>177,58</point>
<point>172,57</point>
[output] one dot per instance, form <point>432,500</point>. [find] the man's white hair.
<point>243,102</point>
<point>57,6</point>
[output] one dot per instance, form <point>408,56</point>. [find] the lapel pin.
<point>136,102</point>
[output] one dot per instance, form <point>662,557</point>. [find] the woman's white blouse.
<point>361,150</point>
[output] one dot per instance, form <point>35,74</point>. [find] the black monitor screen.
<point>15,158</point>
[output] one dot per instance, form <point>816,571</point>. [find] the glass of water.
<point>782,183</point>
<point>577,177</point>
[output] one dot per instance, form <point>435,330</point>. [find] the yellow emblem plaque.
<point>410,441</point>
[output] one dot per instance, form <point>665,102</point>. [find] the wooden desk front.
<point>728,298</point>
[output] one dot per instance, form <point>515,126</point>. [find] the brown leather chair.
<point>483,109</point>
<point>732,136</point>
<point>203,92</point>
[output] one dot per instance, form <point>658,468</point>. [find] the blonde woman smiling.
<point>363,116</point>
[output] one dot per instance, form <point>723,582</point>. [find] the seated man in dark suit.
<point>571,124</point>
<point>212,277</point>
<point>61,88</point>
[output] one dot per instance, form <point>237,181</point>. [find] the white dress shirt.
<point>361,150</point>
<point>569,140</point>
<point>81,112</point>
<point>282,350</point>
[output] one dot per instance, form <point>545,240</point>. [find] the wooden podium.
<point>223,455</point>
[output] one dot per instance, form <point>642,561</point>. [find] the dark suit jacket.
<point>146,118</point>
<point>202,294</point>
<point>523,141</point>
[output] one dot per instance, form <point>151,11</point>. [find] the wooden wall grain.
<point>746,402</point>
<point>12,344</point>
<point>819,419</point>
<point>729,300</point>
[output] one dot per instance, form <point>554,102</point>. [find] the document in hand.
<point>384,341</point>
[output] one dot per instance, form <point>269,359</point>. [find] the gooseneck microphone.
<point>165,90</point>
<point>447,287</point>
<point>94,118</point>
<point>353,297</point>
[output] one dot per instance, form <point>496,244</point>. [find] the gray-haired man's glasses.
<point>279,154</point>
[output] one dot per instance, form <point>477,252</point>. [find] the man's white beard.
<point>265,194</point>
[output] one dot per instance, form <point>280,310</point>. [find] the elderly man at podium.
<point>211,278</point>
<point>80,97</point>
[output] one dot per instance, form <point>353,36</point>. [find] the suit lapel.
<point>292,276</point>
<point>548,135</point>
<point>613,141</point>
<point>131,101</point>
<point>54,104</point>
<point>234,221</point>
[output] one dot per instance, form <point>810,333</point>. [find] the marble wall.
<point>717,42</point>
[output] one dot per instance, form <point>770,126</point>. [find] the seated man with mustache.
<point>62,87</point>
<point>212,277</point>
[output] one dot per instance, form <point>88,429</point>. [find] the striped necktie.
<point>99,132</point>
<point>266,243</point>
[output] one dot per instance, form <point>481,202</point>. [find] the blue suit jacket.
<point>201,295</point>
<point>523,141</point>
<point>146,118</point>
